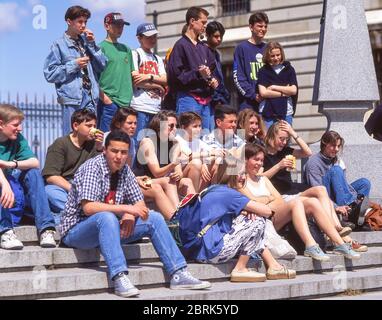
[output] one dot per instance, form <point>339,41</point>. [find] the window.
<point>234,7</point>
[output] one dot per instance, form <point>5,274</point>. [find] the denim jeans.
<point>186,103</point>
<point>106,113</point>
<point>57,197</point>
<point>35,199</point>
<point>143,120</point>
<point>340,191</point>
<point>102,229</point>
<point>269,122</point>
<point>86,103</point>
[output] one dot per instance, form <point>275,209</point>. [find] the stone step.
<point>42,282</point>
<point>28,235</point>
<point>303,287</point>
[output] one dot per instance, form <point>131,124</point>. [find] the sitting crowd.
<point>157,151</point>
<point>103,190</point>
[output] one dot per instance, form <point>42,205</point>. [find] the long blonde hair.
<point>243,123</point>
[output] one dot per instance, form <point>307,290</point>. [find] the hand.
<point>138,210</point>
<point>105,99</point>
<point>139,77</point>
<point>127,224</point>
<point>285,126</point>
<point>141,182</point>
<point>7,164</point>
<point>213,83</point>
<point>176,176</point>
<point>205,173</point>
<point>204,71</point>
<point>82,62</point>
<point>286,163</point>
<point>261,171</point>
<point>259,98</point>
<point>218,153</point>
<point>344,210</point>
<point>7,197</point>
<point>89,35</point>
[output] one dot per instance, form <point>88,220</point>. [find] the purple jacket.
<point>185,59</point>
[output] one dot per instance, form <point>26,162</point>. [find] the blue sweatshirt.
<point>185,59</point>
<point>276,108</point>
<point>247,61</point>
<point>221,94</point>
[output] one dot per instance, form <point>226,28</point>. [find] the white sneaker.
<point>9,241</point>
<point>47,239</point>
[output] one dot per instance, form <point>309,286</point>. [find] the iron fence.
<point>42,124</point>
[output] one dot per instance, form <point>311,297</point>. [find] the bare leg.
<point>292,210</point>
<point>192,171</point>
<point>186,186</point>
<point>169,188</point>
<point>269,261</point>
<point>241,264</point>
<point>322,195</point>
<point>313,207</point>
<point>164,204</point>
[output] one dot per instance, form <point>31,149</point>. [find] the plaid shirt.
<point>214,143</point>
<point>92,182</point>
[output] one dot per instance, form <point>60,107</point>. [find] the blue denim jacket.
<point>62,69</point>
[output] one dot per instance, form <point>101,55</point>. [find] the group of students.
<point>99,186</point>
<point>94,187</point>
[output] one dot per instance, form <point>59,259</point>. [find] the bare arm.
<point>268,93</point>
<point>152,161</point>
<point>30,163</point>
<point>258,208</point>
<point>286,90</point>
<point>59,181</point>
<point>304,150</point>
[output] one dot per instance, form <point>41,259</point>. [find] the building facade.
<point>293,23</point>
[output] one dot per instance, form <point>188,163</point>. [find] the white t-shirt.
<point>145,100</point>
<point>194,146</point>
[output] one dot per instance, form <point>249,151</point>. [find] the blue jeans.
<point>143,120</point>
<point>57,197</point>
<point>269,122</point>
<point>86,103</point>
<point>106,113</point>
<point>186,103</point>
<point>35,199</point>
<point>340,191</point>
<point>102,229</point>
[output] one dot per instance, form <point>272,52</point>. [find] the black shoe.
<point>364,228</point>
<point>349,224</point>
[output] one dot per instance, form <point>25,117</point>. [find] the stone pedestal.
<point>346,87</point>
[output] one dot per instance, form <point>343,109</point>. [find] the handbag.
<point>279,247</point>
<point>374,217</point>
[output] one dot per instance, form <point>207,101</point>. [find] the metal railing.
<point>42,124</point>
<point>234,7</point>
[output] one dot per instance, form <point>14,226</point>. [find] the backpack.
<point>184,225</point>
<point>374,217</point>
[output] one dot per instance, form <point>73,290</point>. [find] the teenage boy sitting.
<point>67,154</point>
<point>106,205</point>
<point>19,164</point>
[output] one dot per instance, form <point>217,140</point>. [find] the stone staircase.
<point>65,273</point>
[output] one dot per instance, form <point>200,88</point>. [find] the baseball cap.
<point>147,29</point>
<point>115,17</point>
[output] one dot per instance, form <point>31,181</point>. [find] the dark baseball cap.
<point>115,17</point>
<point>147,29</point>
